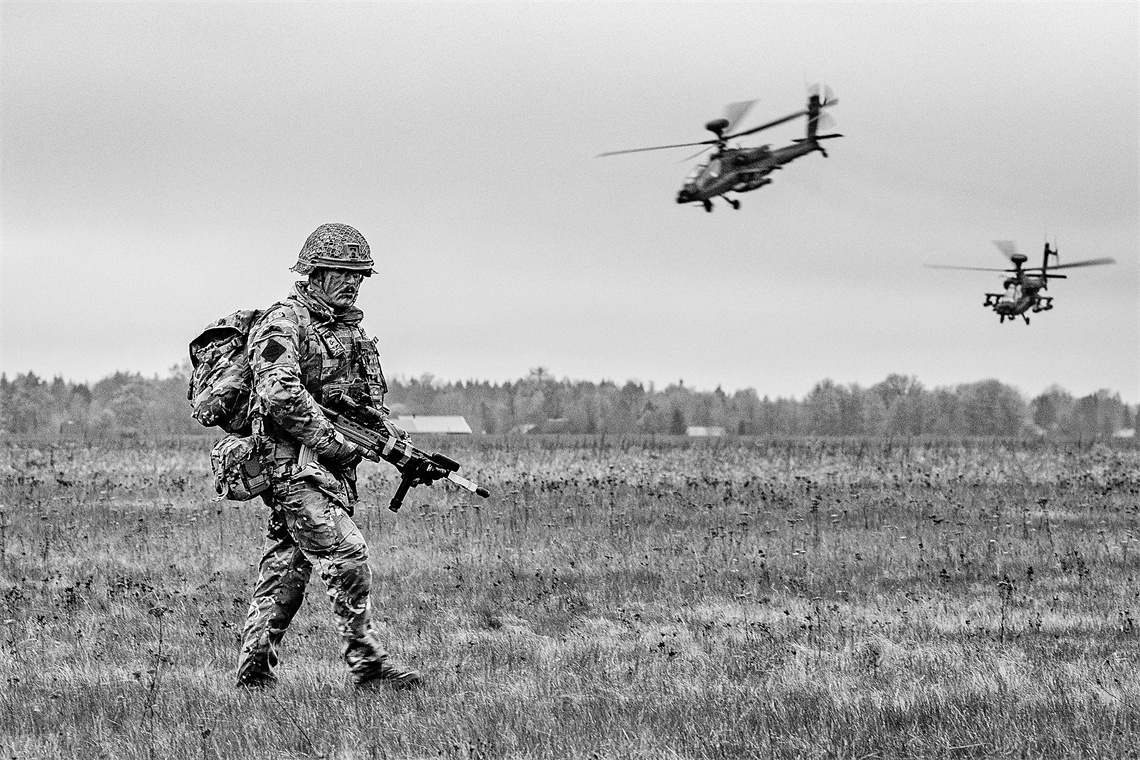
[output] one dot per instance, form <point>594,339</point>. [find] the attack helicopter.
<point>735,169</point>
<point>1023,290</point>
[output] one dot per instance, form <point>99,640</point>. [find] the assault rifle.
<point>380,440</point>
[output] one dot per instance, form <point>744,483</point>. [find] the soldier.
<point>301,351</point>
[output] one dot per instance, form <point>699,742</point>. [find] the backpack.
<point>221,381</point>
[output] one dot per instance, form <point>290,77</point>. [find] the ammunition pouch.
<point>239,473</point>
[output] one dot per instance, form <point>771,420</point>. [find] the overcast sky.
<point>164,162</point>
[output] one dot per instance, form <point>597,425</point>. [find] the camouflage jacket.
<point>301,354</point>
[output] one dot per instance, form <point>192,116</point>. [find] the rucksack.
<point>221,381</point>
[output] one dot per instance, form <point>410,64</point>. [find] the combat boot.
<point>254,681</point>
<point>385,673</point>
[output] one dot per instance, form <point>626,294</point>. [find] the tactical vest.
<point>338,357</point>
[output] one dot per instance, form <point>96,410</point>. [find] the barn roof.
<point>429,423</point>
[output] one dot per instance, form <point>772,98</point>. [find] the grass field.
<point>651,599</point>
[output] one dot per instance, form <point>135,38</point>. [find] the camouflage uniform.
<point>300,352</point>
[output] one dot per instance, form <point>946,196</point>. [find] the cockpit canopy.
<point>711,169</point>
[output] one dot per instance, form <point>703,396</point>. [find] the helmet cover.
<point>335,246</point>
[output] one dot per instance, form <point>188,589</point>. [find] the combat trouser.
<point>310,526</point>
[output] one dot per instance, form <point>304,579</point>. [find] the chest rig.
<point>337,358</point>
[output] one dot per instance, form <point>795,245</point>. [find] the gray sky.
<point>164,162</point>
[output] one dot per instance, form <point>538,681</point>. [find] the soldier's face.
<point>339,286</point>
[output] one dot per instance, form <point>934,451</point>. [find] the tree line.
<point>129,404</point>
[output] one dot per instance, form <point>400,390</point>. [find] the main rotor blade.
<point>769,125</point>
<point>1039,272</point>
<point>734,112</point>
<point>655,147</point>
<point>1086,263</point>
<point>698,153</point>
<point>972,269</point>
<point>1007,247</point>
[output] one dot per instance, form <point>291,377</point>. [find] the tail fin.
<point>820,97</point>
<point>813,116</point>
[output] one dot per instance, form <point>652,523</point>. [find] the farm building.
<point>704,432</point>
<point>72,430</point>
<point>428,423</point>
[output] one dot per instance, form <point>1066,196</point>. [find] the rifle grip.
<point>401,491</point>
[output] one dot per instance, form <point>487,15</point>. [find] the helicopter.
<point>738,169</point>
<point>1023,290</point>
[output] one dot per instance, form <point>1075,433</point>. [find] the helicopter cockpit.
<point>1012,291</point>
<point>711,169</point>
<point>689,189</point>
<point>698,178</point>
<point>703,173</point>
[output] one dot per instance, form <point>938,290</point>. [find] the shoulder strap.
<point>330,359</point>
<point>304,320</point>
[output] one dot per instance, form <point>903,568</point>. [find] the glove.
<point>427,473</point>
<point>344,456</point>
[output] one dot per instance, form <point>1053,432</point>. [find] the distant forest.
<point>129,405</point>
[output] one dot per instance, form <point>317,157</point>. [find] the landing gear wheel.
<point>735,203</point>
<point>708,206</point>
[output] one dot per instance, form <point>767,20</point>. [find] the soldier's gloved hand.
<point>428,473</point>
<point>344,455</point>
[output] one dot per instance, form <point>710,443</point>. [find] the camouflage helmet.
<point>335,246</point>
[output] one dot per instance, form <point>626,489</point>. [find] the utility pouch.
<point>239,473</point>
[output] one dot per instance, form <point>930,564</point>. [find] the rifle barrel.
<point>468,485</point>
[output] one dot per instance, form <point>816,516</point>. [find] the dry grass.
<point>612,599</point>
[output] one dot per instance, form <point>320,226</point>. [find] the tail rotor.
<point>823,94</point>
<point>820,97</point>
